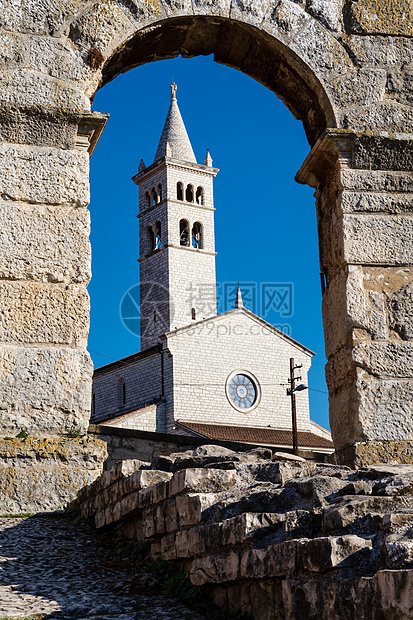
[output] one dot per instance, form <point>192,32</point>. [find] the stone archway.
<point>334,69</point>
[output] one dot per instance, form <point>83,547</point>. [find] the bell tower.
<point>176,234</point>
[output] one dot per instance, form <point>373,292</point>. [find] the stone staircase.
<point>271,533</point>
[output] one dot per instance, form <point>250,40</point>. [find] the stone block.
<point>32,314</point>
<point>375,202</point>
<point>58,59</point>
<point>38,126</point>
<point>329,13</point>
<point>133,529</point>
<point>385,360</point>
<point>201,480</point>
<point>44,175</point>
<point>22,88</point>
<point>14,50</point>
<point>382,152</point>
<point>45,390</point>
<point>395,521</point>
<point>49,18</point>
<point>160,527</point>
<point>100,519</point>
<point>123,469</point>
<point>237,529</point>
<point>182,544</point>
<point>377,239</point>
<point>320,489</point>
<point>323,554</point>
<point>346,511</point>
<point>128,506</point>
<point>386,409</point>
<point>196,540</point>
<point>168,547</point>
<point>395,593</point>
<point>274,561</point>
<point>170,515</point>
<point>153,494</point>
<point>400,309</point>
<point>364,453</point>
<point>349,305</point>
<point>38,475</point>
<point>218,568</point>
<point>393,17</point>
<point>212,535</point>
<point>191,506</point>
<point>390,182</point>
<point>149,523</point>
<point>282,471</point>
<point>397,554</point>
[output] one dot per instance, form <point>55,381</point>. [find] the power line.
<point>321,391</point>
<point>103,355</point>
<point>199,384</point>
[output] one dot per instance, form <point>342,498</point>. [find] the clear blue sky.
<point>265,222</point>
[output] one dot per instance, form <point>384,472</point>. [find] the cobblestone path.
<point>54,568</point>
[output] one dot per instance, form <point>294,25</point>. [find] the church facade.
<point>198,373</point>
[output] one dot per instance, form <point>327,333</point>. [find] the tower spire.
<point>174,134</point>
<point>238,302</point>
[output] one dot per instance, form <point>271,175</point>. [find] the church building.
<point>220,376</point>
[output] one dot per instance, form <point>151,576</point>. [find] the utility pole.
<point>291,392</point>
<point>293,405</point>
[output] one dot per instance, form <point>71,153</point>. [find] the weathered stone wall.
<point>38,475</point>
<point>269,534</point>
<point>341,64</point>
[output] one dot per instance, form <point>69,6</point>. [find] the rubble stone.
<point>324,539</point>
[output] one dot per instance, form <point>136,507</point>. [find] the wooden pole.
<point>293,405</point>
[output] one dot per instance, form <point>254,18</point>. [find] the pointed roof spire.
<point>208,159</point>
<point>142,166</point>
<point>174,140</point>
<point>238,302</point>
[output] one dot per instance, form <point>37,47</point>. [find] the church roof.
<point>174,140</point>
<point>247,434</point>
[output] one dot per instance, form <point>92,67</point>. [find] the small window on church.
<point>93,412</point>
<point>199,196</point>
<point>184,233</point>
<point>158,236</point>
<point>121,392</point>
<point>189,194</point>
<point>197,236</point>
<point>193,314</point>
<point>160,192</point>
<point>180,191</point>
<point>148,199</point>
<point>154,197</point>
<point>151,240</point>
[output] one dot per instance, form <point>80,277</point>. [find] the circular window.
<point>243,391</point>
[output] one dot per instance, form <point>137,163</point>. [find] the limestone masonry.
<point>344,67</point>
<point>270,535</point>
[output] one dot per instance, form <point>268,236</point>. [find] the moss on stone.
<point>392,17</point>
<point>368,453</point>
<point>45,447</point>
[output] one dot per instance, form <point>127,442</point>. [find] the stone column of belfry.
<point>364,192</point>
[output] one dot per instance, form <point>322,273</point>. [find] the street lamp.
<point>291,392</point>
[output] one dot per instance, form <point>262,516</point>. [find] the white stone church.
<point>220,376</point>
